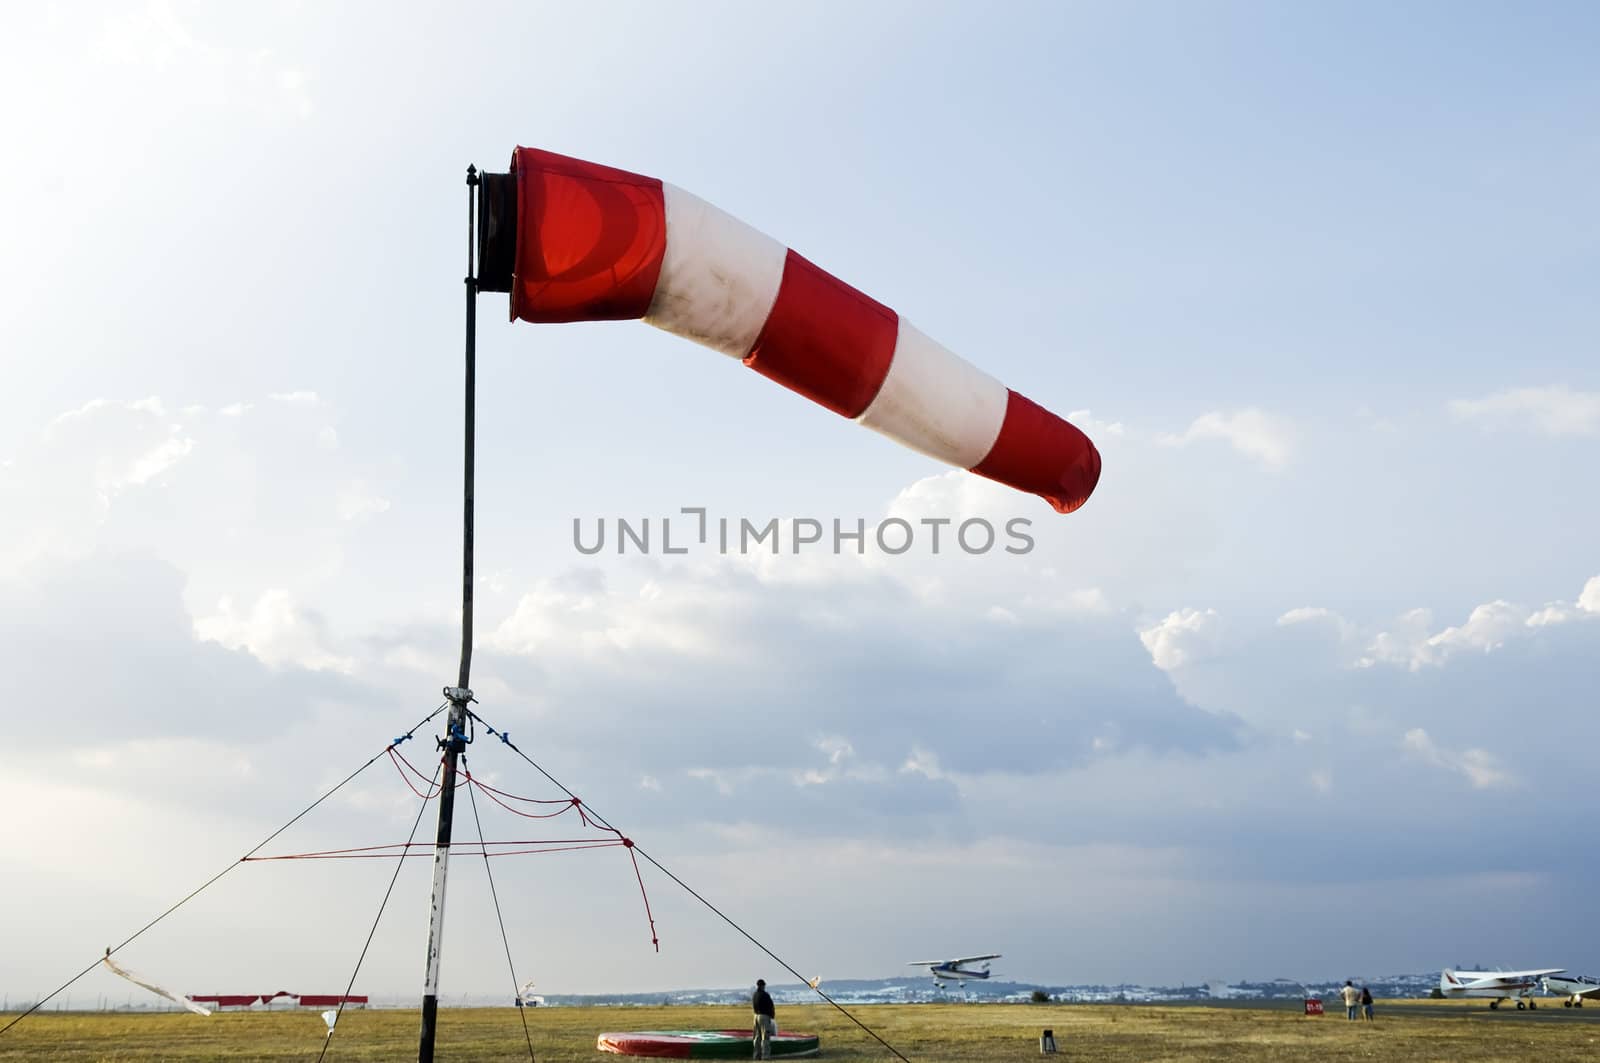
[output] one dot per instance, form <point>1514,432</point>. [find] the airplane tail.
<point>1447,981</point>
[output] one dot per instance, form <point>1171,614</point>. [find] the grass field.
<point>1456,1032</point>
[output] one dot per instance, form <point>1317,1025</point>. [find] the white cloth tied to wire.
<point>123,972</point>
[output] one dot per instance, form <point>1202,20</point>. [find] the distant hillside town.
<point>865,991</point>
<point>918,991</point>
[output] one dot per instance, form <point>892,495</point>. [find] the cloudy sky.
<point>1307,689</point>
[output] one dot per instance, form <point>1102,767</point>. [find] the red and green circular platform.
<point>705,1044</point>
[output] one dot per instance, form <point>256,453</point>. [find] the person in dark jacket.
<point>1366,1003</point>
<point>766,1020</point>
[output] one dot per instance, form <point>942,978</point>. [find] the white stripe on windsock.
<point>936,402</point>
<point>719,277</point>
<point>719,280</point>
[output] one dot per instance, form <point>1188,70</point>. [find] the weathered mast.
<point>460,694</point>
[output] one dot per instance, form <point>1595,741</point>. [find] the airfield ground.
<point>1457,1032</point>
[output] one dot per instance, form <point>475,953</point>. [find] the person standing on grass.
<point>1366,1003</point>
<point>766,1021</point>
<point>1352,997</point>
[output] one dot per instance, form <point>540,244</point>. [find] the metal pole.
<point>460,694</point>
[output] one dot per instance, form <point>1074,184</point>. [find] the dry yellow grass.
<point>934,1033</point>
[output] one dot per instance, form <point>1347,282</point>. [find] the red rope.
<point>490,792</point>
<point>396,758</point>
<point>393,754</point>
<point>530,800</point>
<point>561,849</point>
<point>628,844</point>
<point>387,852</point>
<point>555,845</point>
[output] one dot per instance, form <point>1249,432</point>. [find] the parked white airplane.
<point>956,970</point>
<point>1495,985</point>
<point>1572,986</point>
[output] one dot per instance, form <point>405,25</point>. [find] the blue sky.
<point>1302,691</point>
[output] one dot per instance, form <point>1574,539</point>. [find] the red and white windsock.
<point>597,243</point>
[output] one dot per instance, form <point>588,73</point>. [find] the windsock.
<point>576,241</point>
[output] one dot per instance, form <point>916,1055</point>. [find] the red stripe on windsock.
<point>1039,452</point>
<point>590,240</point>
<point>825,340</point>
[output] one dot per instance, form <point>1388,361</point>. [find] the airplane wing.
<point>975,959</point>
<point>1496,979</point>
<point>927,963</point>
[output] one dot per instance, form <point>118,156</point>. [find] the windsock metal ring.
<point>576,241</point>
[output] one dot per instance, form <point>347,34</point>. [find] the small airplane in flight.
<point>956,970</point>
<point>1495,985</point>
<point>1572,986</point>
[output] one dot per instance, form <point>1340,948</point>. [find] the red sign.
<point>1313,1006</point>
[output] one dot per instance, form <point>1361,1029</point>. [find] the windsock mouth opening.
<point>1078,482</point>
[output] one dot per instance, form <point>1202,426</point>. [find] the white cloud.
<point>149,35</point>
<point>579,613</point>
<point>295,398</point>
<point>1589,600</point>
<point>1586,607</point>
<point>1251,432</point>
<point>1303,615</point>
<point>1088,600</point>
<point>836,749</point>
<point>289,85</point>
<point>1183,637</point>
<point>136,442</point>
<point>1311,616</point>
<point>922,762</point>
<point>91,468</point>
<point>150,404</point>
<point>954,495</point>
<point>1479,766</point>
<point>274,630</point>
<point>357,502</point>
<point>153,462</point>
<point>723,780</point>
<point>1553,411</point>
<point>153,39</point>
<point>1488,628</point>
<point>1552,614</point>
<point>1400,644</point>
<point>241,497</point>
<point>1093,426</point>
<point>1485,630</point>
